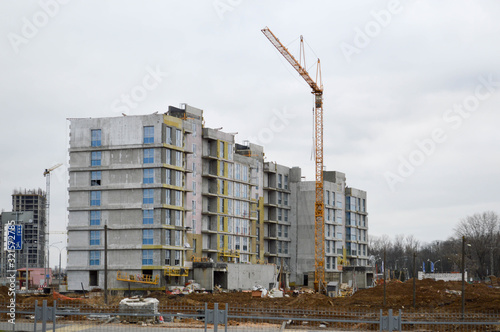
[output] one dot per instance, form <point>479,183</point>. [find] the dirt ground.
<point>431,296</point>
<point>438,296</point>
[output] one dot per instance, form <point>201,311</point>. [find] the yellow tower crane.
<point>46,174</point>
<point>319,207</point>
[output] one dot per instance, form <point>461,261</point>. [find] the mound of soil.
<point>439,296</point>
<point>431,296</point>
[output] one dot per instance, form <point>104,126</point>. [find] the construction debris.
<point>275,293</point>
<point>259,291</point>
<point>454,292</point>
<point>137,305</point>
<point>345,290</point>
<point>58,296</point>
<point>193,286</point>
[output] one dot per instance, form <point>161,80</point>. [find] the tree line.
<point>480,231</point>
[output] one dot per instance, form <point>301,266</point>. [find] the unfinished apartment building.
<point>181,201</point>
<point>346,229</point>
<point>28,210</point>
<point>177,199</point>
<point>277,217</point>
<point>34,232</point>
<point>29,244</point>
<point>129,174</point>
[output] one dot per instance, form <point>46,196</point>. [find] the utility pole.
<point>414,279</point>
<point>491,260</point>
<point>26,284</point>
<point>463,275</point>
<point>384,280</point>
<point>59,267</point>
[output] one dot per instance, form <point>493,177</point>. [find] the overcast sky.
<point>411,92</point>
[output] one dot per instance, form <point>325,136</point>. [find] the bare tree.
<point>411,244</point>
<point>399,253</point>
<point>482,232</point>
<point>376,245</point>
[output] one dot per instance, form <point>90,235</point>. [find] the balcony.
<point>211,246</point>
<point>210,156</point>
<point>211,134</point>
<point>209,205</point>
<point>273,202</point>
<point>210,186</point>
<point>270,167</point>
<point>209,225</point>
<point>207,211</point>
<point>270,233</point>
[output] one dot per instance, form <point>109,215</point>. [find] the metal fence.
<point>214,317</point>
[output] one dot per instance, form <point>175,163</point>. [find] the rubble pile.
<point>138,306</point>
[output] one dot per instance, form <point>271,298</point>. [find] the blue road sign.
<point>18,237</point>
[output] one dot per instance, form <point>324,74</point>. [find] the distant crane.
<point>46,174</point>
<point>319,207</point>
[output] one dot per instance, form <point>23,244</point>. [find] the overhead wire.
<point>317,57</point>
<point>287,66</point>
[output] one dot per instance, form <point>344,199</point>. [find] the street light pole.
<point>491,260</point>
<point>26,283</point>
<point>434,264</point>
<point>385,302</point>
<point>463,275</point>
<point>59,276</point>
<point>414,278</point>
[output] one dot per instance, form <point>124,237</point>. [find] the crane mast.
<point>46,174</point>
<point>319,206</point>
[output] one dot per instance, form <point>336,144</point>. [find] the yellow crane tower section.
<point>319,207</point>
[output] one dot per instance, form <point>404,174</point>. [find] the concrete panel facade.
<point>344,233</point>
<point>118,178</point>
<point>245,276</point>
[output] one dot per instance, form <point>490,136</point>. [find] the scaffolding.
<point>195,259</point>
<point>228,254</point>
<point>176,272</point>
<point>140,278</point>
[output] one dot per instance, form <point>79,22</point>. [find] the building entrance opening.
<point>220,279</point>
